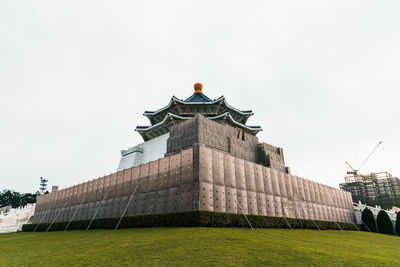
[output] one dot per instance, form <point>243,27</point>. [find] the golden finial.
<point>198,88</point>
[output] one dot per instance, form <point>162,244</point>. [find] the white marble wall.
<point>13,220</point>
<point>143,153</point>
<point>359,207</point>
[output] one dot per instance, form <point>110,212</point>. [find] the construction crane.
<point>355,171</point>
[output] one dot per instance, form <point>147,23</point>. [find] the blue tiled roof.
<point>198,98</point>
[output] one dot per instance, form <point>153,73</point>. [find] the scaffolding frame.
<point>379,188</point>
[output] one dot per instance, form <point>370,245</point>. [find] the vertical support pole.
<point>310,218</point>
<point>338,226</point>
<point>288,223</point>
<point>316,225</point>
<point>366,226</point>
<point>98,208</point>
<point>240,207</point>
<point>42,218</point>
<point>126,207</point>
<point>73,216</point>
<point>55,218</point>
<point>355,226</point>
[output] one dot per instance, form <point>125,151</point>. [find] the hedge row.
<point>383,222</point>
<point>191,219</point>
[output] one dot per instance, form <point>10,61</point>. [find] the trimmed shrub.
<point>192,219</point>
<point>368,219</point>
<point>384,223</point>
<point>398,223</point>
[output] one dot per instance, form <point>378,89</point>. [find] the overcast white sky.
<point>322,78</point>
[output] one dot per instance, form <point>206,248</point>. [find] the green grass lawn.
<point>199,247</point>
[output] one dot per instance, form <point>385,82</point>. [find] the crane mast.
<point>355,171</point>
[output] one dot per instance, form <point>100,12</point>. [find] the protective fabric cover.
<point>231,202</point>
<point>252,202</point>
<point>151,202</point>
<point>324,213</point>
<point>295,186</point>
<point>217,168</point>
<point>175,170</point>
<point>123,203</point>
<point>289,187</point>
<point>163,175</point>
<point>306,190</point>
<point>282,184</point>
<point>186,202</point>
<point>162,198</point>
<point>127,182</point>
<point>99,192</point>
<point>199,178</point>
<point>297,209</point>
<point>292,208</point>
<point>317,193</point>
<point>153,176</point>
<point>242,201</point>
<point>219,198</point>
<point>187,166</point>
<point>267,181</point>
<point>270,205</point>
<point>206,196</point>
<point>249,176</point>
<point>262,204</point>
<point>311,191</point>
<point>259,177</point>
<point>173,199</point>
<point>285,207</point>
<point>300,185</point>
<point>278,206</point>
<point>113,184</point>
<point>205,165</point>
<point>321,194</point>
<point>120,185</point>
<point>140,203</point>
<point>93,191</point>
<point>275,182</point>
<point>144,185</point>
<point>310,210</point>
<point>239,173</point>
<point>303,210</point>
<point>229,171</point>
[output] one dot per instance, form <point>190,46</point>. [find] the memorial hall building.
<point>198,154</point>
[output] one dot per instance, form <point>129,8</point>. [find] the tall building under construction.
<point>379,188</point>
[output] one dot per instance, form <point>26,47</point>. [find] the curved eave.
<point>150,113</point>
<point>227,115</point>
<point>142,130</point>
<point>175,99</point>
<point>221,98</point>
<point>242,112</point>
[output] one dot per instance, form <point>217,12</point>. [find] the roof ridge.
<point>198,95</point>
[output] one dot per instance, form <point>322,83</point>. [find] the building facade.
<point>381,189</point>
<point>198,154</point>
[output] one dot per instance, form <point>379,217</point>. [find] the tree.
<point>10,198</point>
<point>27,198</point>
<point>368,220</point>
<point>398,223</point>
<point>15,199</point>
<point>385,225</point>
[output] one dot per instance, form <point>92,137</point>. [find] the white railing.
<point>13,220</point>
